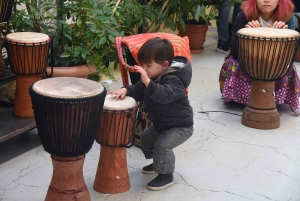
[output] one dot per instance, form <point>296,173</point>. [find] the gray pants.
<point>224,12</point>
<point>159,146</point>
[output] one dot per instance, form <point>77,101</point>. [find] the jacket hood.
<point>181,67</point>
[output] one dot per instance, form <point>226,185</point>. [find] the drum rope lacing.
<point>38,59</point>
<point>127,138</point>
<point>250,64</point>
<point>67,127</point>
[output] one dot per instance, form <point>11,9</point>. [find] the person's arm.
<point>240,23</point>
<point>136,90</point>
<point>171,90</point>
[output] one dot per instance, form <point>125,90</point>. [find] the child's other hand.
<point>144,77</point>
<point>279,25</point>
<point>254,24</point>
<point>119,94</point>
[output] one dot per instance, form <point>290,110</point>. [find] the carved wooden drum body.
<point>67,112</point>
<point>265,55</point>
<point>115,134</point>
<point>28,57</point>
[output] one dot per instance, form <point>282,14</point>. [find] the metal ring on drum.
<point>28,58</point>
<point>265,55</point>
<point>67,112</point>
<point>115,135</point>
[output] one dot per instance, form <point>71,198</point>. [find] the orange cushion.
<point>180,44</point>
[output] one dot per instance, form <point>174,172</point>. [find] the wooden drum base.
<point>112,173</point>
<point>22,103</point>
<point>67,182</point>
<point>261,110</point>
<point>261,119</point>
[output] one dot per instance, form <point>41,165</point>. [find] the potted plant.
<point>82,32</point>
<point>192,18</point>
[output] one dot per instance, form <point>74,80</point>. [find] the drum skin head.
<point>27,37</point>
<point>268,32</point>
<point>111,103</point>
<point>67,87</point>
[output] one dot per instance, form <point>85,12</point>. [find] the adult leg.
<point>224,11</point>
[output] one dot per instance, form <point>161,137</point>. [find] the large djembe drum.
<point>115,135</point>
<point>5,13</point>
<point>67,112</point>
<point>265,55</point>
<point>28,57</point>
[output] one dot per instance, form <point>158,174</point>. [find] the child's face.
<point>154,69</point>
<point>267,6</point>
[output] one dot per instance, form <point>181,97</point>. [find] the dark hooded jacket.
<point>165,98</point>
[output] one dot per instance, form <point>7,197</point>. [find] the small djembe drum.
<point>6,7</point>
<point>265,55</point>
<point>67,112</point>
<point>28,57</point>
<point>115,134</point>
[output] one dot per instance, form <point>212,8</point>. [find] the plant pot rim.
<point>81,71</point>
<point>197,24</point>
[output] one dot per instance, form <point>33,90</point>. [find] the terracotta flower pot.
<point>196,35</point>
<point>73,71</point>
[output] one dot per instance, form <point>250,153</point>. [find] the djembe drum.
<point>115,134</point>
<point>67,112</point>
<point>265,55</point>
<point>5,13</point>
<point>28,57</point>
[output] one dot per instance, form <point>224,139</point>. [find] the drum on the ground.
<point>67,113</point>
<point>28,58</point>
<point>115,134</point>
<point>265,55</point>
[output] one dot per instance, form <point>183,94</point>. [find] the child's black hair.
<point>156,49</point>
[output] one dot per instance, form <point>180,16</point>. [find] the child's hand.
<point>144,77</point>
<point>254,24</point>
<point>279,25</point>
<point>121,93</point>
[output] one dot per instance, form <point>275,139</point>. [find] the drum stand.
<point>112,173</point>
<point>261,111</point>
<point>67,182</point>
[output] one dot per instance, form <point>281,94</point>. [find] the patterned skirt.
<point>236,86</point>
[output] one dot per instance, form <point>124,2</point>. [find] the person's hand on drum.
<point>144,77</point>
<point>254,24</point>
<point>279,25</point>
<point>121,93</point>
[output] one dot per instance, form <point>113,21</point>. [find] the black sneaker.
<point>148,169</point>
<point>162,181</point>
<point>222,48</point>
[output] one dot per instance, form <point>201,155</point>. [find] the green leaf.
<point>74,14</point>
<point>93,28</point>
<point>64,55</point>
<point>111,38</point>
<point>28,21</point>
<point>102,40</point>
<point>79,20</point>
<point>68,36</point>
